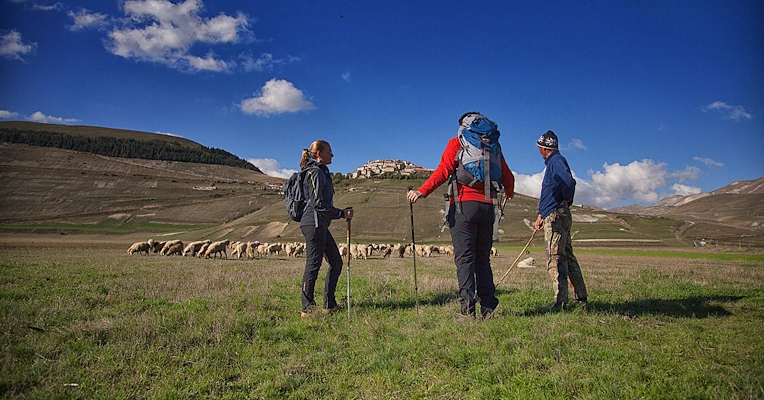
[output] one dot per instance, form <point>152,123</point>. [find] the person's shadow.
<point>689,307</point>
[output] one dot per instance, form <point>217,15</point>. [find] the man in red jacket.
<point>471,225</point>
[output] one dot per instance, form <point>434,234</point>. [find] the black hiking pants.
<point>319,243</point>
<point>472,236</point>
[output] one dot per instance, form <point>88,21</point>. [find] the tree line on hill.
<point>126,148</point>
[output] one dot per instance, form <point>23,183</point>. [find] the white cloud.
<point>40,117</point>
<point>13,47</point>
<point>574,144</point>
<point>163,32</point>
<point>264,63</point>
<point>276,97</point>
<point>689,173</point>
<point>54,7</point>
<point>529,185</point>
<point>684,190</point>
<point>734,113</point>
<point>84,19</point>
<point>709,162</point>
<point>5,114</point>
<point>271,167</point>
<point>346,76</point>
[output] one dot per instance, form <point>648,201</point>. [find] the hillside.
<point>48,190</point>
<point>739,204</point>
<point>117,143</point>
<point>48,185</point>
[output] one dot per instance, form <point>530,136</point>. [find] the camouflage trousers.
<point>560,261</point>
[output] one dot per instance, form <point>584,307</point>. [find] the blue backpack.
<point>479,158</point>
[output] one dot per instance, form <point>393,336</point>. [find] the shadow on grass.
<point>689,307</point>
<point>438,299</point>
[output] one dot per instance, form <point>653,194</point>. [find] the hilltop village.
<point>390,167</point>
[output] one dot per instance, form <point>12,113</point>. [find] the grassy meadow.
<point>85,320</point>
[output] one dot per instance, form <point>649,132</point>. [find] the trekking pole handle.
<point>345,211</point>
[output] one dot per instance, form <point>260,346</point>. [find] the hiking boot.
<point>328,311</point>
<point>556,306</point>
<point>581,300</point>
<point>308,311</point>
<point>487,313</point>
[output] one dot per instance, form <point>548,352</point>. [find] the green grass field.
<point>85,320</point>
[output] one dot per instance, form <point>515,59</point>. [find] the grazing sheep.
<point>177,248</point>
<point>194,247</point>
<point>449,250</point>
<point>139,248</point>
<point>252,250</point>
<point>387,252</point>
<point>262,250</point>
<point>401,250</point>
<point>300,250</point>
<point>169,244</point>
<point>239,249</point>
<point>529,262</point>
<point>203,249</point>
<point>156,246</point>
<point>494,251</point>
<point>217,248</point>
<point>275,248</point>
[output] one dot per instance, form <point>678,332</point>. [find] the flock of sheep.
<point>253,250</point>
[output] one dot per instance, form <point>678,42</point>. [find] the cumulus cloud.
<point>163,32</point>
<point>644,182</point>
<point>265,62</point>
<point>277,96</point>
<point>271,167</point>
<point>708,162</point>
<point>529,185</point>
<point>13,47</point>
<point>40,117</point>
<point>684,190</point>
<point>85,19</point>
<point>735,113</point>
<point>574,144</point>
<point>5,114</point>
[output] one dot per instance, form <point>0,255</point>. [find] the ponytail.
<point>312,152</point>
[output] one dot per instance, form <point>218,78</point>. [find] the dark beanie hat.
<point>548,141</point>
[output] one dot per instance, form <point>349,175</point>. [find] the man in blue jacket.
<point>557,192</point>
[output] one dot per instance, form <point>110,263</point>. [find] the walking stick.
<point>518,257</point>
<point>348,269</point>
<point>413,248</point>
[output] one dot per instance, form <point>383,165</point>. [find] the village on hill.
<point>393,167</point>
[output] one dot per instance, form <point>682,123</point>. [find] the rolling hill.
<point>51,190</point>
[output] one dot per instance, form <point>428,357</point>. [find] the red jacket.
<point>447,167</point>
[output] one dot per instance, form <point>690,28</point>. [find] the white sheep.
<point>203,249</point>
<point>177,248</point>
<point>527,263</point>
<point>494,251</point>
<point>139,248</point>
<point>239,249</point>
<point>217,248</point>
<point>169,244</point>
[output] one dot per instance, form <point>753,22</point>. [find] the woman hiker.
<point>318,214</point>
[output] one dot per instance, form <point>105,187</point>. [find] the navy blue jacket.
<point>558,184</point>
<point>320,192</point>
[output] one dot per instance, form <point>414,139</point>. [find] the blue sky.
<point>648,98</point>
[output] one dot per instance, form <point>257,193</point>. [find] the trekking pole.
<point>413,248</point>
<point>518,257</point>
<point>348,269</point>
